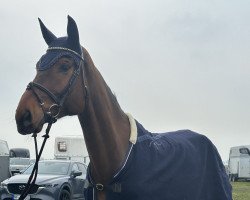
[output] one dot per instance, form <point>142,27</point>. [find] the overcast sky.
<point>173,64</point>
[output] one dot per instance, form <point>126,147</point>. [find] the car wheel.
<point>64,195</point>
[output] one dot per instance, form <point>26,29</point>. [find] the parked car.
<point>19,160</point>
<point>56,179</point>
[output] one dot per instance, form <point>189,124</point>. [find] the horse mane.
<point>91,66</point>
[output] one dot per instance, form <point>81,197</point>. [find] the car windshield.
<point>19,161</point>
<point>56,168</point>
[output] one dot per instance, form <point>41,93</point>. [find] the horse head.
<point>56,86</point>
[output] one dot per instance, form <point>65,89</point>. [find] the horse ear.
<point>73,35</point>
<point>47,34</point>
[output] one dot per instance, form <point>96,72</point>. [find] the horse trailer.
<point>4,161</point>
<point>71,148</point>
<point>239,163</point>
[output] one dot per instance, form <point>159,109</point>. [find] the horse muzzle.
<point>25,124</point>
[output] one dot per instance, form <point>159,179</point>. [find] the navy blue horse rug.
<point>180,165</point>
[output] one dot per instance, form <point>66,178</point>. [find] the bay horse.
<point>127,162</point>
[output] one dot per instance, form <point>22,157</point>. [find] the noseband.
<point>51,115</point>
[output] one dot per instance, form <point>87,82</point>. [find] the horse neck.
<point>105,127</point>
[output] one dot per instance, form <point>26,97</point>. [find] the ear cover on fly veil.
<point>70,42</point>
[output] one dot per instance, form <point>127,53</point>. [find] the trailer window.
<point>244,150</point>
<point>62,146</point>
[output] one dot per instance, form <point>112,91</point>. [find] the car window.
<point>82,168</point>
<point>19,152</point>
<point>75,167</point>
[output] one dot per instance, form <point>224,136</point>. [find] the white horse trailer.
<point>239,163</point>
<point>4,161</point>
<point>71,148</point>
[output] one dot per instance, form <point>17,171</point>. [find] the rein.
<point>34,172</point>
<point>51,115</point>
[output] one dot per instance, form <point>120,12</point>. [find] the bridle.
<point>51,115</point>
<point>58,100</point>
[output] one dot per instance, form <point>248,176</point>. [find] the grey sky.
<point>173,64</point>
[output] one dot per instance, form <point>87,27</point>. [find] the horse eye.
<point>64,68</point>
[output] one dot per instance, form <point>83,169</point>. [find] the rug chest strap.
<point>116,187</point>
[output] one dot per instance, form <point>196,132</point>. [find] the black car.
<point>56,179</point>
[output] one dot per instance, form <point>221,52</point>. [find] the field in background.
<point>241,190</point>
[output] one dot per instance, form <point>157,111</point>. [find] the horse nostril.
<point>24,123</point>
<point>27,119</point>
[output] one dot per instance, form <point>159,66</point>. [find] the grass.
<point>241,190</point>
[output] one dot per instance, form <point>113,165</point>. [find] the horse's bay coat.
<point>181,165</point>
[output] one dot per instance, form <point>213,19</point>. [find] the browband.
<point>66,49</point>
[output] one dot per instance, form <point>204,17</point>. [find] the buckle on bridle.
<point>54,110</point>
